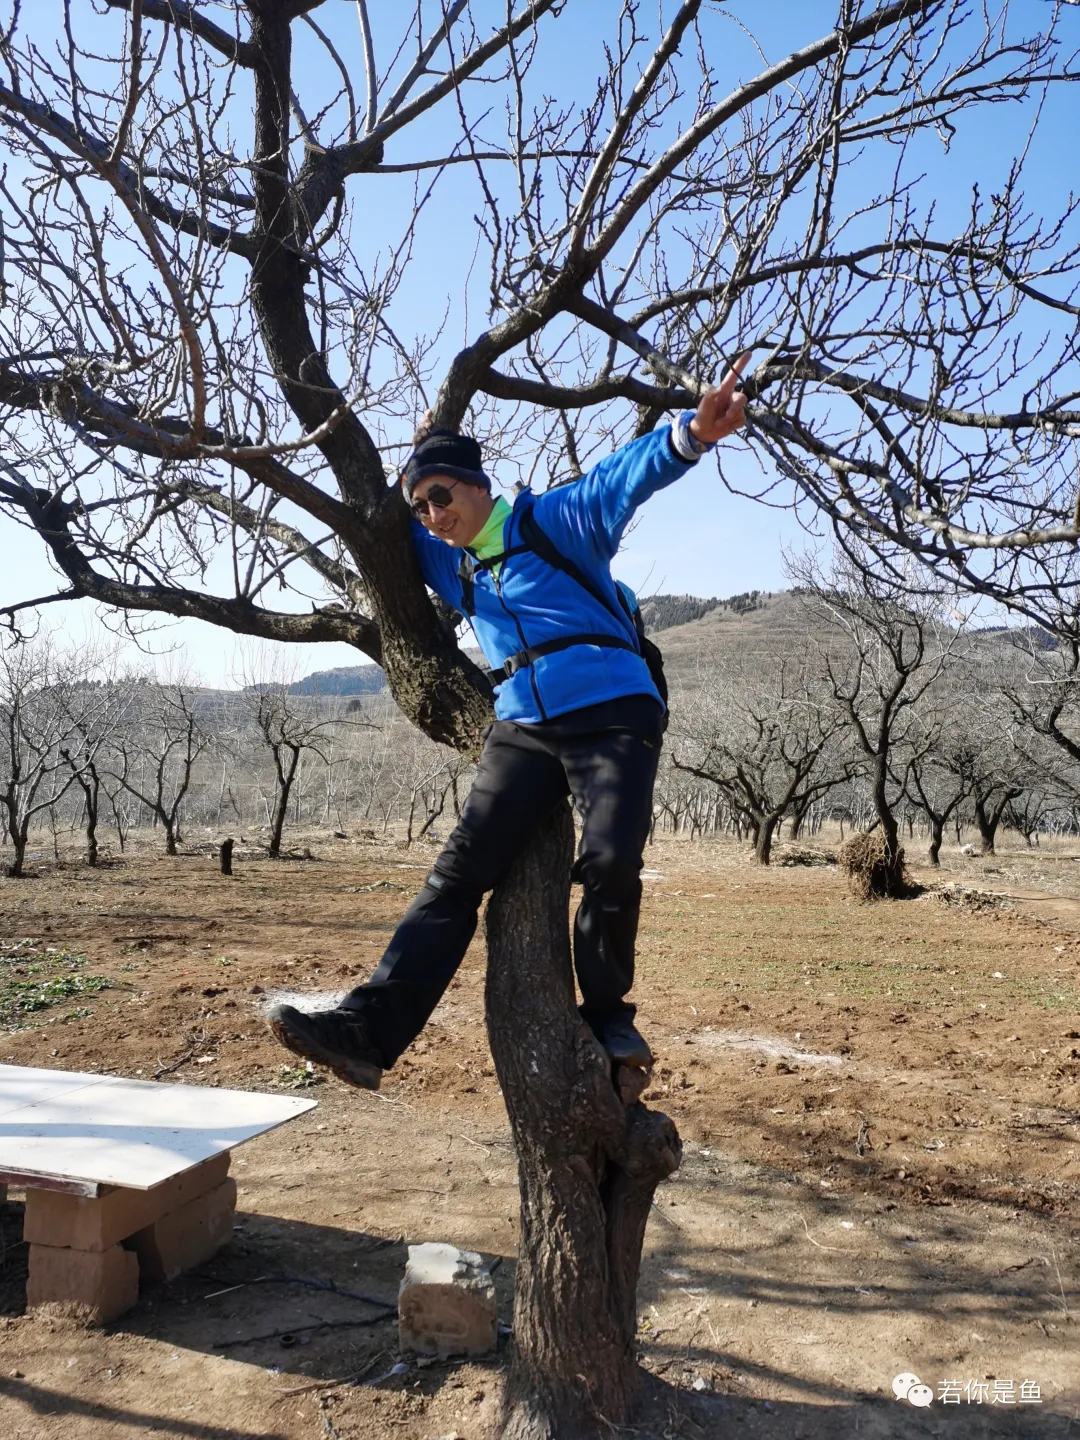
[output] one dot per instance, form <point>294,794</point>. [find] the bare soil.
<point>880,1104</point>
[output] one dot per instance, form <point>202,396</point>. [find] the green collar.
<point>489,541</point>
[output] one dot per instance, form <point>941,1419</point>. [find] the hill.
<point>660,612</point>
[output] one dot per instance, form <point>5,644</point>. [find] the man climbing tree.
<point>577,712</point>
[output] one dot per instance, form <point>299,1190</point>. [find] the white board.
<point>107,1130</point>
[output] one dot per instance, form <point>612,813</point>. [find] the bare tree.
<point>1044,695</point>
<point>156,750</point>
<point>765,733</point>
<point>204,358</point>
<point>94,712</point>
<point>936,782</point>
<point>34,727</point>
<point>997,776</point>
<point>882,657</point>
<point>288,725</point>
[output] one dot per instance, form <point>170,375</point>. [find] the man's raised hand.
<point>720,410</point>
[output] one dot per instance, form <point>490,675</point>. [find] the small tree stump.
<point>226,857</point>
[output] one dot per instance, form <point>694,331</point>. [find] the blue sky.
<point>696,537</point>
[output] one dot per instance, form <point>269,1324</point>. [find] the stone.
<point>84,1224</point>
<point>186,1237</point>
<point>105,1281</point>
<point>446,1304</point>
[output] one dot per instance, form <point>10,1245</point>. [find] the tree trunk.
<point>894,855</point>
<point>937,831</point>
<point>172,835</point>
<point>987,826</point>
<point>587,1167</point>
<point>286,775</point>
<point>763,842</point>
<point>277,825</point>
<point>225,857</point>
<point>19,837</point>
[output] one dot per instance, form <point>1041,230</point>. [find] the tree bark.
<point>894,855</point>
<point>763,841</point>
<point>18,840</point>
<point>937,831</point>
<point>286,774</point>
<point>988,820</point>
<point>587,1167</point>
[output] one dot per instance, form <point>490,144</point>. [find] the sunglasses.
<point>438,498</point>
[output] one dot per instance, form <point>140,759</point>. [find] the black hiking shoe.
<point>334,1038</point>
<point>624,1044</point>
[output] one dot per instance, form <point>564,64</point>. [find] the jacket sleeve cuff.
<point>684,443</point>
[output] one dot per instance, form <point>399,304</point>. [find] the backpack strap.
<point>468,565</point>
<point>534,538</point>
<point>522,658</point>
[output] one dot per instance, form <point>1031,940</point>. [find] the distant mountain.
<point>345,680</point>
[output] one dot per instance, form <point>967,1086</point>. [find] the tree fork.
<point>587,1166</point>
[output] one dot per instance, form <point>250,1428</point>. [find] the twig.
<point>227,1291</point>
<point>195,1044</point>
<point>839,1249</point>
<point>1061,1287</point>
<point>479,1144</point>
<point>1023,1264</point>
<point>325,1285</point>
<point>333,1384</point>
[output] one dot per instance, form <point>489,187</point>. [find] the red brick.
<point>186,1237</point>
<point>107,1281</point>
<point>54,1219</point>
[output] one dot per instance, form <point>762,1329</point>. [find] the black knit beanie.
<point>441,452</point>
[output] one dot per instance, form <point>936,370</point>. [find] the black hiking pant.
<point>605,756</point>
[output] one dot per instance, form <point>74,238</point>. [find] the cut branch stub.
<point>588,1166</point>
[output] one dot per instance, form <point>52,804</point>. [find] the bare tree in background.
<point>882,657</point>
<point>936,782</point>
<point>207,357</point>
<point>288,725</point>
<point>1044,695</point>
<point>34,727</point>
<point>766,734</point>
<point>157,744</point>
<point>94,712</point>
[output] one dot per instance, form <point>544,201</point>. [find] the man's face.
<point>465,513</point>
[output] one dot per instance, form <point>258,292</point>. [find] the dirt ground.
<point>880,1104</point>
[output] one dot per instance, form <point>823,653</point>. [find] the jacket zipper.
<point>524,643</point>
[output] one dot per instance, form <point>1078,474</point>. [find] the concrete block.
<point>446,1304</point>
<point>107,1281</point>
<point>54,1219</point>
<point>186,1237</point>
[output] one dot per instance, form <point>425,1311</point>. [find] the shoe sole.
<point>359,1073</point>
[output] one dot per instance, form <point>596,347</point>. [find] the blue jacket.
<point>530,602</point>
